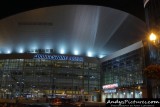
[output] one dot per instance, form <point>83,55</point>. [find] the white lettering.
<point>57,57</point>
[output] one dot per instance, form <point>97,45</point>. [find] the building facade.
<point>123,73</point>
<point>35,75</point>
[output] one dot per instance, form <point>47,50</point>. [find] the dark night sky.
<point>10,7</point>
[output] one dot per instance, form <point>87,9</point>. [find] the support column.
<point>152,16</point>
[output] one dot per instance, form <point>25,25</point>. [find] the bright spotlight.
<point>101,56</point>
<point>21,51</point>
<point>89,54</point>
<point>76,52</point>
<point>62,51</point>
<point>8,51</point>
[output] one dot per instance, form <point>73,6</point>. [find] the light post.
<point>152,10</point>
<point>153,45</point>
<point>153,37</point>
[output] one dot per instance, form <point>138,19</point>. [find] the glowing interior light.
<point>140,92</point>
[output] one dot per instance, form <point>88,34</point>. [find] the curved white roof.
<point>71,29</point>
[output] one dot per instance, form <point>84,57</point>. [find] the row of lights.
<point>61,51</point>
<point>130,93</point>
<point>152,37</point>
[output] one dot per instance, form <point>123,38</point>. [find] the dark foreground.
<point>84,104</point>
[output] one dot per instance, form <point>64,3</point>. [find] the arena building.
<point>73,51</point>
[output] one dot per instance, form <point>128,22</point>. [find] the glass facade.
<point>86,79</point>
<point>23,76</point>
<point>126,71</point>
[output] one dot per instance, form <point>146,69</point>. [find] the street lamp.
<point>154,54</point>
<point>155,39</point>
<point>152,37</point>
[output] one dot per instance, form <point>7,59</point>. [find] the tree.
<point>152,71</point>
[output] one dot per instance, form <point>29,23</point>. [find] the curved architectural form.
<point>87,30</point>
<point>56,51</point>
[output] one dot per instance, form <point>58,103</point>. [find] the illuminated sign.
<point>110,86</point>
<point>58,57</point>
<point>110,91</point>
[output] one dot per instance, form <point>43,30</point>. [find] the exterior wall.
<point>25,75</point>
<point>126,71</point>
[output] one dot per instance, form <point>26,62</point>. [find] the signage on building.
<point>110,91</point>
<point>58,57</point>
<point>82,91</point>
<point>110,86</point>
